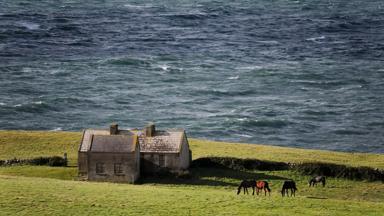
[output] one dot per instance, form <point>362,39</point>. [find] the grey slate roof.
<point>113,143</point>
<point>87,138</point>
<point>94,136</point>
<point>162,142</point>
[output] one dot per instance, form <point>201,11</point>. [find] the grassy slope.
<point>209,192</point>
<point>202,148</point>
<point>82,198</point>
<point>27,144</point>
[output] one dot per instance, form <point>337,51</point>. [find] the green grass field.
<point>42,190</point>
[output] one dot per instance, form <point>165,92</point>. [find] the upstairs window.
<point>118,169</point>
<point>100,168</point>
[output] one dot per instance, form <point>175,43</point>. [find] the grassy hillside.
<point>38,196</point>
<point>29,144</point>
<point>42,190</point>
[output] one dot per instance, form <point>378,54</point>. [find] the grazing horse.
<point>288,185</point>
<point>245,184</point>
<point>263,185</point>
<point>316,180</point>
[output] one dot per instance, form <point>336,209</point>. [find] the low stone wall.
<point>48,161</point>
<point>307,168</point>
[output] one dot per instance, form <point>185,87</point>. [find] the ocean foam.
<point>138,6</point>
<point>57,129</point>
<point>233,77</point>
<point>30,26</point>
<point>315,39</point>
<point>38,102</point>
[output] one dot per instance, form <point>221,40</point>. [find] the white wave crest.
<point>57,129</point>
<point>244,135</point>
<point>137,6</point>
<point>315,39</point>
<point>233,77</point>
<point>164,67</point>
<point>251,67</point>
<point>30,26</point>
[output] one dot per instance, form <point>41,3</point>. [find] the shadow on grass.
<point>209,177</point>
<point>312,197</point>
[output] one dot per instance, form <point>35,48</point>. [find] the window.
<point>118,169</point>
<point>161,160</point>
<point>100,168</point>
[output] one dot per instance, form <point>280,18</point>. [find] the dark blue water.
<point>305,73</point>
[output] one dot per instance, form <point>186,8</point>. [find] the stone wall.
<point>129,163</point>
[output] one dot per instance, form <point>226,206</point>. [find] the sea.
<point>297,73</point>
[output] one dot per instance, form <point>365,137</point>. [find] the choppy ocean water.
<point>304,73</point>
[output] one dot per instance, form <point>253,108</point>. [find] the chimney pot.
<point>114,129</point>
<point>150,130</point>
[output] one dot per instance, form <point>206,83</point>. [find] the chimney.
<point>150,130</point>
<point>114,129</point>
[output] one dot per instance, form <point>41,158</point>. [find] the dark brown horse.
<point>245,184</point>
<point>288,185</point>
<point>316,180</point>
<point>263,185</point>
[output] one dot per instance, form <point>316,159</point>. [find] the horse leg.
<point>253,191</point>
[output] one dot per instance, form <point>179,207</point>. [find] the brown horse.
<point>263,185</point>
<point>245,184</point>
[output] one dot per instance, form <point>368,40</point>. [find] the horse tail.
<point>266,186</point>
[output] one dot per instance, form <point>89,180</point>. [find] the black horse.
<point>316,180</point>
<point>288,185</point>
<point>245,184</point>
